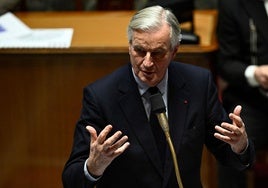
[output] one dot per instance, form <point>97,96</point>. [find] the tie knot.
<point>150,91</point>
<point>153,90</point>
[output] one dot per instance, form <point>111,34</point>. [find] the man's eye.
<point>157,55</point>
<point>140,51</point>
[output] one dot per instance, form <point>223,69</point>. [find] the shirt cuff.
<point>88,175</point>
<point>244,156</point>
<point>249,74</point>
<point>245,150</point>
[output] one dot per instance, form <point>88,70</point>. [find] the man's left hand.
<point>234,134</point>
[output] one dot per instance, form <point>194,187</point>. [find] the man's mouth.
<point>148,72</point>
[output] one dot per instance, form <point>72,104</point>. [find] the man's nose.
<point>148,59</point>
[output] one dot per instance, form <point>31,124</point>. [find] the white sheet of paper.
<point>15,34</point>
<point>11,26</point>
<point>41,38</point>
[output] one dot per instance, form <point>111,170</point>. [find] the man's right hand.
<point>104,150</point>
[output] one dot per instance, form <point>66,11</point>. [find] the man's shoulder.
<point>113,78</point>
<point>186,67</point>
<point>188,73</point>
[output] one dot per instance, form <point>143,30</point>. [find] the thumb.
<point>93,133</point>
<point>237,110</point>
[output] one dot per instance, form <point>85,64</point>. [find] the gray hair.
<point>152,18</point>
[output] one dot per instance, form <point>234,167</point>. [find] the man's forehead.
<point>148,40</point>
<point>150,44</point>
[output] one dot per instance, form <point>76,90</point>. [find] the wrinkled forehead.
<point>155,38</point>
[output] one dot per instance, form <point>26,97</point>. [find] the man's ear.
<point>129,49</point>
<point>175,50</point>
<point>129,46</point>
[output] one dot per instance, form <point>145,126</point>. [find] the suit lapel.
<point>131,103</point>
<point>257,12</point>
<point>133,108</point>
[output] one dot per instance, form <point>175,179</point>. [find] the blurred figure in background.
<point>198,4</point>
<point>8,5</point>
<point>46,5</point>
<point>243,65</point>
<point>49,5</point>
<point>90,4</point>
<point>206,4</point>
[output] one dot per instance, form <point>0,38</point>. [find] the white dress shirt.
<point>249,73</point>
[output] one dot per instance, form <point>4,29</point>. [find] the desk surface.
<point>98,32</point>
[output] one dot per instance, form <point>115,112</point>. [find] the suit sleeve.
<point>73,173</point>
<point>221,150</point>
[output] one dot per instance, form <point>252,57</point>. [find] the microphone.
<point>158,107</point>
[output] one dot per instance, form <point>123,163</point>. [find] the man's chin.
<point>149,82</point>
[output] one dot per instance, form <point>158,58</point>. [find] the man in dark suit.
<point>114,144</point>
<point>243,65</point>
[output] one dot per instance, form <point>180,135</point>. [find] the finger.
<point>224,131</point>
<point>230,135</point>
<point>237,110</point>
<point>119,143</point>
<point>235,116</point>
<point>121,149</point>
<point>93,133</point>
<point>225,135</point>
<point>232,129</point>
<point>237,120</point>
<point>111,140</point>
<point>223,138</point>
<point>103,134</point>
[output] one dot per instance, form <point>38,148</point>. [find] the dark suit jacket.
<point>193,109</point>
<point>235,54</point>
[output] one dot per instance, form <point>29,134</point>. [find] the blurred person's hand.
<point>261,75</point>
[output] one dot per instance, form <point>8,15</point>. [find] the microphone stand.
<point>162,118</point>
<point>158,107</point>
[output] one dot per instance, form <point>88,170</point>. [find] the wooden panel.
<point>41,101</point>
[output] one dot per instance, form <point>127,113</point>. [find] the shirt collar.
<point>162,85</point>
<point>266,6</point>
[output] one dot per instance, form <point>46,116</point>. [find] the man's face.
<point>150,54</point>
